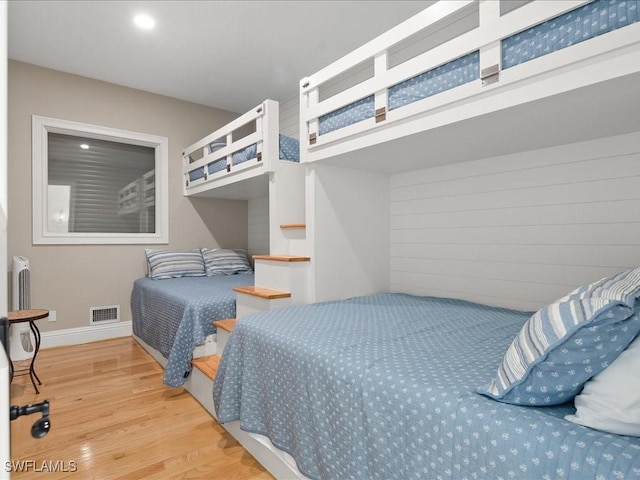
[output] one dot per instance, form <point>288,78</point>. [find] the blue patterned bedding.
<point>289,150</point>
<point>445,77</point>
<point>175,314</point>
<point>348,115</point>
<point>589,21</point>
<point>383,387</point>
<point>437,80</point>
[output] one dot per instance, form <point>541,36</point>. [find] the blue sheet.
<point>583,23</point>
<point>289,150</point>
<point>348,115</point>
<point>383,387</point>
<point>445,77</point>
<point>175,314</point>
<point>437,80</point>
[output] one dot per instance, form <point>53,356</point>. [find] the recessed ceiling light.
<point>84,146</point>
<point>144,21</point>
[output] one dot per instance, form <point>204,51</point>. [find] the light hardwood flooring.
<point>112,418</point>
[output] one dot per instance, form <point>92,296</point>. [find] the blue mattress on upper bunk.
<point>384,387</point>
<point>174,315</point>
<point>289,150</point>
<point>583,23</point>
<point>445,77</point>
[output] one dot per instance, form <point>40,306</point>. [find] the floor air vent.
<point>102,315</point>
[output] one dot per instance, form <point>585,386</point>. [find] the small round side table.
<point>20,316</point>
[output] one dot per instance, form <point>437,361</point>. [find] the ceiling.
<point>226,54</point>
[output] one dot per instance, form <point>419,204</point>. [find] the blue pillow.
<point>165,264</point>
<point>567,342</point>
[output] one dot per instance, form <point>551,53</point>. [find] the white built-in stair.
<point>280,279</point>
<point>200,382</point>
<point>295,235</point>
<point>287,274</point>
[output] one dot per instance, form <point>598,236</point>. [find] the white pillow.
<point>610,401</point>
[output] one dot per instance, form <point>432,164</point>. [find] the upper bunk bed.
<point>504,76</point>
<point>234,161</point>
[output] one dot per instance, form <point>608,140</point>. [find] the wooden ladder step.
<point>262,292</point>
<point>226,324</point>
<point>207,365</point>
<point>287,226</point>
<point>283,258</point>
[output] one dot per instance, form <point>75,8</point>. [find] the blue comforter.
<point>175,314</point>
<point>383,387</point>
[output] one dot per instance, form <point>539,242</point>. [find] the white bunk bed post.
<point>185,164</point>
<point>229,156</point>
<point>268,126</point>
<point>380,65</point>
<point>490,55</point>
<point>206,150</point>
<point>309,97</point>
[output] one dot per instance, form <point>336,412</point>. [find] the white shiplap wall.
<point>348,230</point>
<point>258,227</point>
<point>519,230</point>
<point>289,115</point>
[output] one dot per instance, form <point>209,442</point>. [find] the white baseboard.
<point>76,336</point>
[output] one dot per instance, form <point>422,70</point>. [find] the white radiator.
<point>21,284</point>
<point>21,339</point>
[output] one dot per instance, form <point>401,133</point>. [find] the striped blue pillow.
<point>174,263</point>
<point>221,261</point>
<point>567,342</point>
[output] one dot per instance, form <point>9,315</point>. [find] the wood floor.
<point>112,418</point>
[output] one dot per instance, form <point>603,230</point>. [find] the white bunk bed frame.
<point>244,180</point>
<point>609,56</point>
<point>600,59</point>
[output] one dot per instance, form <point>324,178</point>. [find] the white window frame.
<point>41,127</point>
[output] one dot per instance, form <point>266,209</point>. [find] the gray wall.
<point>70,279</point>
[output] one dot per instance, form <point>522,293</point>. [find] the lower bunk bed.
<point>173,315</point>
<point>399,386</point>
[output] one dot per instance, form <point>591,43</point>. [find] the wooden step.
<point>207,365</point>
<point>282,258</point>
<point>226,324</point>
<point>262,292</point>
<point>293,225</point>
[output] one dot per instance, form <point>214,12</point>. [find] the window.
<point>98,185</point>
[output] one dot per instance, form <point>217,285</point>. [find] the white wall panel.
<point>618,189</point>
<point>289,117</point>
<point>258,226</point>
<point>348,228</point>
<point>518,230</point>
<point>616,256</point>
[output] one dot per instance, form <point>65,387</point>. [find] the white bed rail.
<point>486,37</point>
<point>263,121</point>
